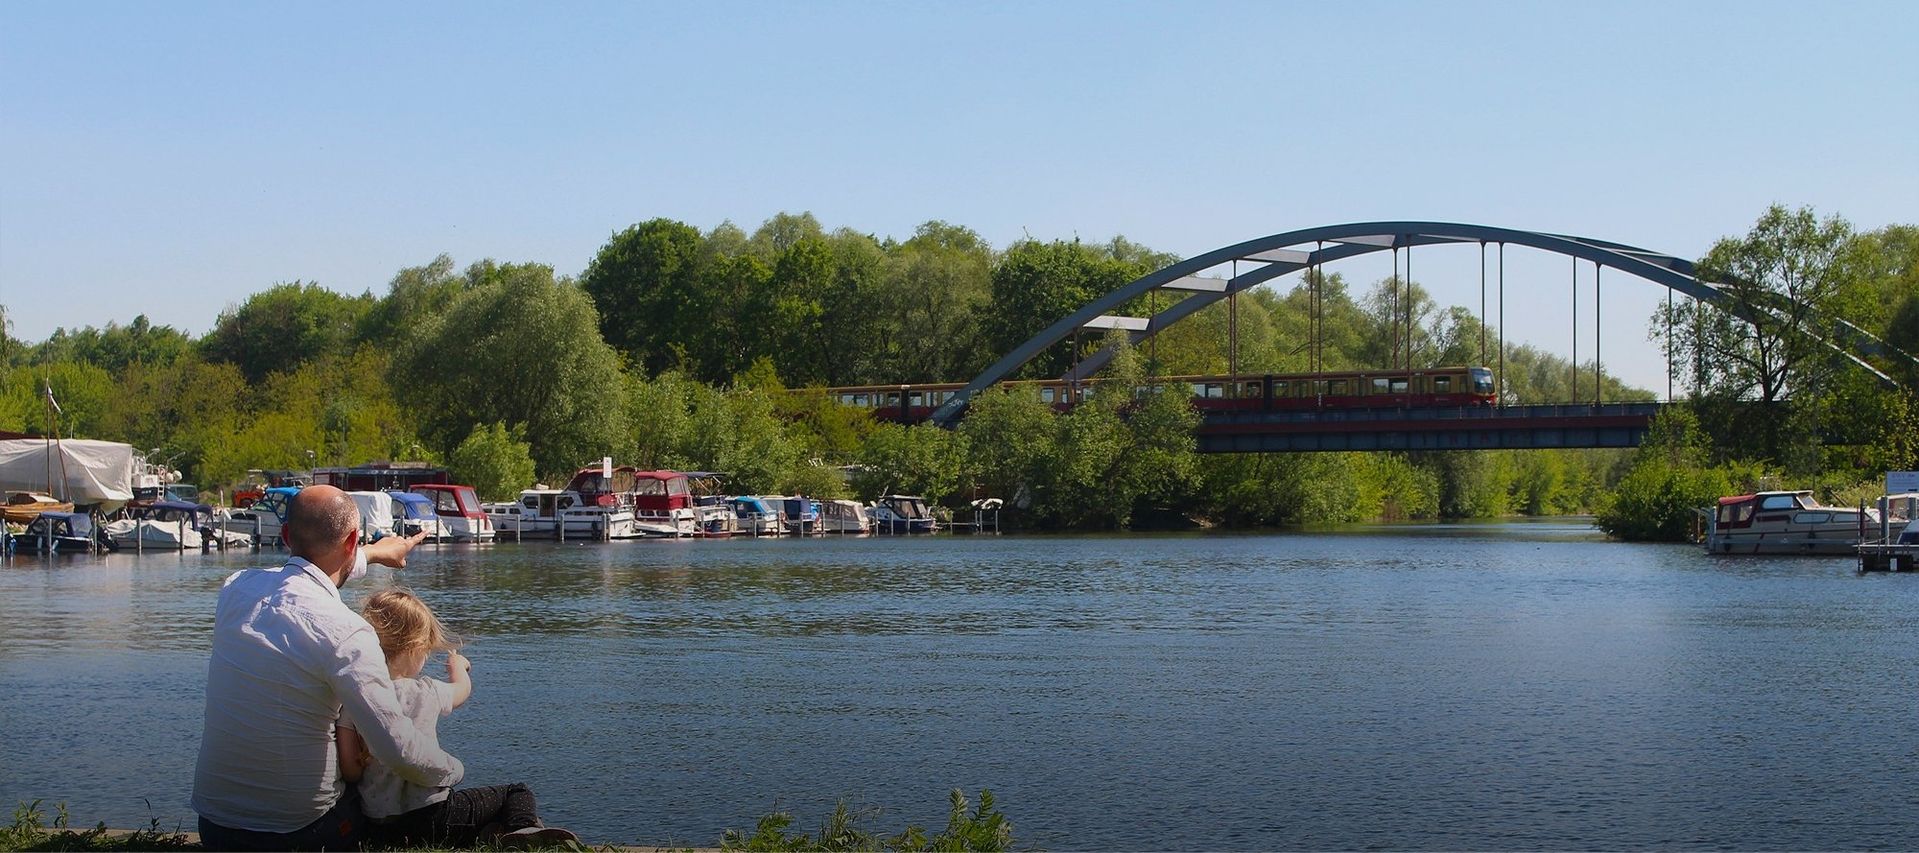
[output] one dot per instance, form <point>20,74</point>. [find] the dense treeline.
<point>676,348</point>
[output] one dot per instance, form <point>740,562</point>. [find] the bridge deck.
<point>1452,428</point>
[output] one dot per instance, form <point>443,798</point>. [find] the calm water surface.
<point>1482,686</point>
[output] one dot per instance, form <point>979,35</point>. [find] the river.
<point>1507,685</point>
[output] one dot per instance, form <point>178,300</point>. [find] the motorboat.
<point>799,515</point>
<point>24,507</point>
<point>663,504</point>
<point>755,516</point>
<point>713,516</point>
<point>1892,542</point>
<point>413,515</point>
<point>1787,522</point>
<point>173,525</point>
<point>377,514</point>
<point>458,507</point>
<point>903,514</point>
<point>265,518</point>
<point>842,516</point>
<point>61,531</point>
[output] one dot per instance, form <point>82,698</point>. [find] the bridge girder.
<point>1277,255</point>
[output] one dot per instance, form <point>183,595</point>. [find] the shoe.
<point>535,837</point>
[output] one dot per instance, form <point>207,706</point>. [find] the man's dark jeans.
<point>341,828</point>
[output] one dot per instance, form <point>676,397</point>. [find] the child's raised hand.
<point>456,662</point>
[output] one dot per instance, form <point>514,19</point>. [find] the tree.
<point>523,349</point>
<point>494,461</point>
<point>1780,281</point>
<point>282,327</point>
<point>1038,284</point>
<point>919,460</point>
<point>415,294</point>
<point>646,285</point>
<point>116,346</point>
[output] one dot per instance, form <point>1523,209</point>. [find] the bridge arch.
<point>1289,252</point>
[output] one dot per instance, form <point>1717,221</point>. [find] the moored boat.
<point>263,518</point>
<point>54,530</point>
<point>413,514</point>
<point>173,525</point>
<point>842,516</point>
<point>24,507</point>
<point>1785,522</point>
<point>458,507</point>
<point>903,514</point>
<point>663,504</point>
<point>754,516</point>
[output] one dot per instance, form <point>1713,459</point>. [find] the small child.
<point>410,814</point>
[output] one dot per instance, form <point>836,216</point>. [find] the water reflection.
<point>1485,686</point>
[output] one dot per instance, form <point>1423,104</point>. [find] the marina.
<point>1516,685</point>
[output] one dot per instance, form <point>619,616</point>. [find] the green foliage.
<point>29,831</point>
<point>282,327</point>
<point>495,461</point>
<point>523,349</point>
<point>967,829</point>
<point>115,347</point>
<point>1659,497</point>
<point>916,460</point>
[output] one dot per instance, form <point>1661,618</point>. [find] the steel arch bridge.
<point>1281,254</point>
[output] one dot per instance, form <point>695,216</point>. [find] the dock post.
<point>256,531</point>
<point>181,523</point>
<point>560,525</point>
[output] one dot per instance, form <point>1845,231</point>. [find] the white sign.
<point>606,467</point>
<point>1900,482</point>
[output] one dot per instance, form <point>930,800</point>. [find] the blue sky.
<point>170,159</point>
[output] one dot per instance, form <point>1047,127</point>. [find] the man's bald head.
<point>318,519</point>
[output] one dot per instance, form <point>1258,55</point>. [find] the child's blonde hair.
<point>403,623</point>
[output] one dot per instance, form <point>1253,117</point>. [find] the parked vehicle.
<point>461,516</point>
<point>903,514</point>
<point>1784,523</point>
<point>265,518</point>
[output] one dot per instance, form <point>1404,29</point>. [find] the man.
<point>288,658</point>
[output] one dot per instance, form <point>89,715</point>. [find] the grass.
<point>983,829</point>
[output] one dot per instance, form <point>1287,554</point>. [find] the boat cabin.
<point>451,499</point>
<point>596,489</point>
<point>661,491</point>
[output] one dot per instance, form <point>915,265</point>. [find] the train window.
<point>1442,384</point>
<point>1319,387</point>
<point>1250,389</point>
<point>1281,388</point>
<point>916,399</point>
<point>1086,393</point>
<point>1398,385</point>
<point>1336,387</point>
<point>846,399</point>
<point>892,398</point>
<point>1379,385</point>
<point>863,400</point>
<point>1046,395</point>
<point>1212,390</point>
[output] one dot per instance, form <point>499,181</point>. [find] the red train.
<point>1356,389</point>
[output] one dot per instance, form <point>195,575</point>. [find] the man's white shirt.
<point>289,660</point>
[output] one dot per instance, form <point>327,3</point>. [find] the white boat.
<point>662,504</point>
<point>753,516</point>
<point>844,517</point>
<point>173,525</point>
<point>413,515</point>
<point>458,507</point>
<point>903,514</point>
<point>263,519</point>
<point>1785,523</point>
<point>377,514</point>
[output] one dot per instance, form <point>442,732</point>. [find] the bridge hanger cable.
<point>1599,341</point>
<point>1482,302</point>
<point>1574,396</point>
<point>1502,323</point>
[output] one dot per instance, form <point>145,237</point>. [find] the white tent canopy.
<point>84,471</point>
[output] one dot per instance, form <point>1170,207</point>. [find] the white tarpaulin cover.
<point>94,471</point>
